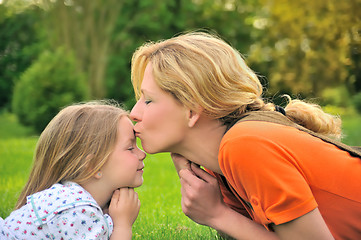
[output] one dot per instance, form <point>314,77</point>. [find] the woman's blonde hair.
<point>74,145</point>
<point>200,69</point>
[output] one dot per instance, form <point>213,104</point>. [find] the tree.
<point>51,83</point>
<point>308,45</point>
<point>19,46</point>
<point>85,27</point>
<point>152,20</point>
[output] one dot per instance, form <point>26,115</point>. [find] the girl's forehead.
<point>125,125</point>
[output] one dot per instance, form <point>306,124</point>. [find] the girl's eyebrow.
<point>130,141</point>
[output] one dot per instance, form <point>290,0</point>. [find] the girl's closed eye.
<point>147,101</point>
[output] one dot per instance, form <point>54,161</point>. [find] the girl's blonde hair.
<point>200,69</point>
<point>74,145</point>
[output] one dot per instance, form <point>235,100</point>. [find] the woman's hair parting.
<point>74,145</point>
<point>202,70</point>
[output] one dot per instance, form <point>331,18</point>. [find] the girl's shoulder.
<point>50,202</point>
<point>63,210</point>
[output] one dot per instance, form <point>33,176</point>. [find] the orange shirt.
<point>280,173</point>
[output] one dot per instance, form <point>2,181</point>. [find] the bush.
<point>49,84</point>
<point>357,101</point>
<point>338,96</point>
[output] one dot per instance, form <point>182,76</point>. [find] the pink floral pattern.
<point>64,211</point>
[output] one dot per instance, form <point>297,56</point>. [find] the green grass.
<point>10,127</point>
<point>160,216</point>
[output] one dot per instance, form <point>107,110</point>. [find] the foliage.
<point>85,28</point>
<point>309,45</point>
<point>19,46</point>
<point>149,20</point>
<point>351,129</point>
<point>337,96</point>
<point>104,36</point>
<point>50,83</point>
<point>357,102</point>
<point>300,47</point>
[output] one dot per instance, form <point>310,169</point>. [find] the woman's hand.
<point>180,162</point>
<point>123,209</point>
<point>202,202</point>
<point>201,197</point>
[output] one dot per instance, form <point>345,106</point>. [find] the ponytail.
<point>312,117</point>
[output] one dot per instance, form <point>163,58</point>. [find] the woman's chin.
<point>149,149</point>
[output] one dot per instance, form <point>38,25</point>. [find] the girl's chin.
<point>138,183</point>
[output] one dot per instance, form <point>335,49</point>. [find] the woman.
<point>191,89</point>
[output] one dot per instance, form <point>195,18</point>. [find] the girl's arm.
<point>202,202</point>
<point>123,209</point>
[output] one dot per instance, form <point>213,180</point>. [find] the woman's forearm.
<point>238,226</point>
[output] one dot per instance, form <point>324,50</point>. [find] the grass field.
<point>160,216</point>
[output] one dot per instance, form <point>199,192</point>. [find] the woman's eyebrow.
<point>145,91</point>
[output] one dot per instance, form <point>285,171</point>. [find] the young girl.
<point>85,158</point>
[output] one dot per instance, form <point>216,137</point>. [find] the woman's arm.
<point>202,202</point>
<point>309,226</point>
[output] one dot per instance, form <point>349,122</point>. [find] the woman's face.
<point>161,121</point>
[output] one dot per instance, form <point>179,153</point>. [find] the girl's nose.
<point>141,155</point>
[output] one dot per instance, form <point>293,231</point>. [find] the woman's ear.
<point>193,116</point>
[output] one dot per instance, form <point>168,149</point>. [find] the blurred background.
<point>55,52</point>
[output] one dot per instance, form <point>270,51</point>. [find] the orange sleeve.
<point>266,174</point>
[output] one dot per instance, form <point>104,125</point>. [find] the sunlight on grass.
<point>16,158</point>
<point>10,127</point>
<point>161,215</point>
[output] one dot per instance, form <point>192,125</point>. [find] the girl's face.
<point>161,119</point>
<point>124,167</point>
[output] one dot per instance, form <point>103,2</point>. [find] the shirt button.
<point>254,201</point>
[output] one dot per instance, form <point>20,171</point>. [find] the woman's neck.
<point>201,144</point>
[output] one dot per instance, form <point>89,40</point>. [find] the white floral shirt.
<point>64,211</point>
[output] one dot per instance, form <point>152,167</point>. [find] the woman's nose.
<point>135,113</point>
